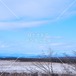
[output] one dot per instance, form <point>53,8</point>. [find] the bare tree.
<point>46,67</point>
<point>71,63</point>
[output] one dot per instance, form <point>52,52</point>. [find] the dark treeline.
<point>31,74</point>
<point>51,59</point>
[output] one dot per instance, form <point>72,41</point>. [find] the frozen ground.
<point>12,66</point>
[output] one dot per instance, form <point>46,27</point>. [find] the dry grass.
<point>33,74</point>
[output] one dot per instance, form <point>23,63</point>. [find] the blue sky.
<point>34,26</point>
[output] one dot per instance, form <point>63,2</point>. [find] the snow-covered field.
<point>12,66</point>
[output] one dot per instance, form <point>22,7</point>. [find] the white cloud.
<point>3,46</point>
<point>56,44</point>
<point>52,37</point>
<point>14,25</point>
<point>30,10</point>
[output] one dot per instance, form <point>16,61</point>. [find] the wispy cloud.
<point>15,25</point>
<point>56,44</point>
<point>2,46</point>
<point>29,11</point>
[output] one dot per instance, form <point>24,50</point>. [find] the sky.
<point>33,27</point>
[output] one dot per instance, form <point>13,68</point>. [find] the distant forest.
<point>52,59</point>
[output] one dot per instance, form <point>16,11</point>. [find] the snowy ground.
<point>12,66</point>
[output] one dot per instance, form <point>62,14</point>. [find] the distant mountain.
<point>31,55</point>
